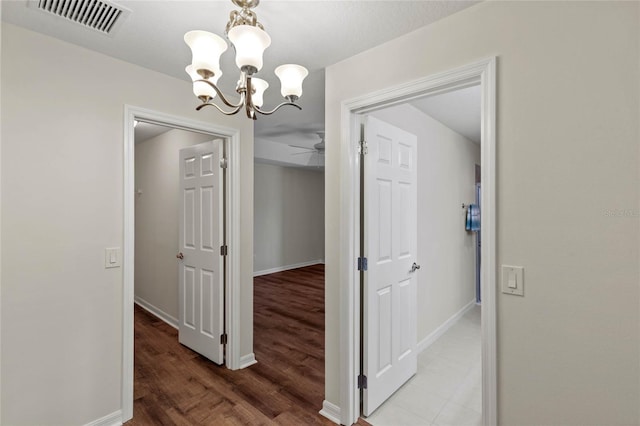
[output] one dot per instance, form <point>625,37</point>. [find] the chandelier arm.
<point>219,92</point>
<point>276,108</point>
<point>232,112</point>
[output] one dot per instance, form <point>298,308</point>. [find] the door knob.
<point>181,256</point>
<point>415,267</point>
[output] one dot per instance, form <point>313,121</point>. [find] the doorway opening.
<point>157,217</point>
<point>230,143</point>
<point>482,74</point>
<point>419,165</point>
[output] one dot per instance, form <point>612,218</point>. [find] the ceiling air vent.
<point>102,16</point>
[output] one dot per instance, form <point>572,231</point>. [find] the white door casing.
<point>390,284</point>
<point>231,137</point>
<point>201,275</point>
<point>482,72</point>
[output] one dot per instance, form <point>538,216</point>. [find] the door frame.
<point>231,137</point>
<point>481,73</point>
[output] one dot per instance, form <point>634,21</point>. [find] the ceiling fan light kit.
<point>249,40</point>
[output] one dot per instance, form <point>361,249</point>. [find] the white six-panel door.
<point>201,281</point>
<point>390,217</point>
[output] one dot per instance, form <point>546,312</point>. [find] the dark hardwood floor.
<point>175,386</point>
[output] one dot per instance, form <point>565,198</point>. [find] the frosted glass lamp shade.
<point>201,89</point>
<point>206,49</point>
<point>291,77</point>
<point>250,43</point>
<point>259,85</point>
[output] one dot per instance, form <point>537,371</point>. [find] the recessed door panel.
<point>207,164</point>
<point>385,146</point>
<point>189,167</point>
<point>384,325</point>
<point>405,232</point>
<point>405,156</point>
<point>189,219</point>
<point>207,216</point>
<point>384,219</point>
<point>207,303</point>
<point>406,335</point>
<point>189,300</point>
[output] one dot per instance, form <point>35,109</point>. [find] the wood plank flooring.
<point>175,386</point>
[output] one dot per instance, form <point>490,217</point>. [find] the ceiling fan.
<point>318,148</point>
<point>317,152</point>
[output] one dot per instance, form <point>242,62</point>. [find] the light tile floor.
<point>447,390</point>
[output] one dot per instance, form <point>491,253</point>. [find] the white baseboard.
<point>330,411</point>
<point>287,267</point>
<point>247,360</point>
<point>435,334</point>
<point>173,322</point>
<point>113,419</point>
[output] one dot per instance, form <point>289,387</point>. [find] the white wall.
<point>289,217</point>
<point>446,251</point>
<point>62,204</point>
<point>567,157</point>
<point>157,177</point>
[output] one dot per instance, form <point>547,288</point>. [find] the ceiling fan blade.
<point>301,147</point>
<point>305,152</point>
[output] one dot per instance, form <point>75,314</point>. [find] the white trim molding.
<point>113,419</point>
<point>442,328</point>
<point>231,139</point>
<point>248,360</point>
<point>488,260</point>
<point>156,312</point>
<point>287,267</point>
<point>481,73</point>
<point>330,411</point>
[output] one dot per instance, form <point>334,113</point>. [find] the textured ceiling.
<point>315,34</point>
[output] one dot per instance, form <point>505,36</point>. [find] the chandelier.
<point>249,40</point>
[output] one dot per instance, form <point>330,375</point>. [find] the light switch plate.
<point>112,257</point>
<point>513,280</point>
